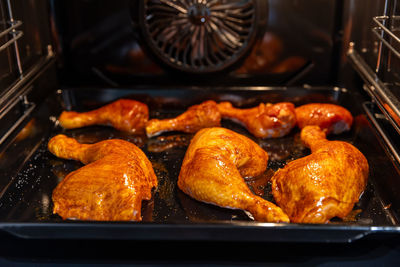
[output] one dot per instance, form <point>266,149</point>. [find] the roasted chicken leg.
<point>329,117</point>
<point>264,121</point>
<point>213,169</point>
<point>195,118</point>
<point>124,115</point>
<point>323,185</point>
<point>111,187</point>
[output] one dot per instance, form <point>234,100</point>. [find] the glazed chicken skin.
<point>213,169</point>
<point>329,117</point>
<point>110,187</point>
<point>264,121</point>
<point>124,114</point>
<point>323,185</point>
<point>195,118</point>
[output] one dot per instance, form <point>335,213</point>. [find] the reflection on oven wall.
<point>98,44</point>
<point>357,29</point>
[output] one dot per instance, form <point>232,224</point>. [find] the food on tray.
<point>264,121</point>
<point>213,171</point>
<point>323,185</point>
<point>195,118</point>
<point>329,117</point>
<point>124,115</point>
<point>312,189</point>
<point>111,187</point>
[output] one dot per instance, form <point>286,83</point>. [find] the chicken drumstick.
<point>329,117</point>
<point>323,185</point>
<point>195,118</point>
<point>213,169</point>
<point>264,121</point>
<point>111,187</point>
<point>124,115</point>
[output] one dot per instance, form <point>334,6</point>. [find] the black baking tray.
<point>29,172</point>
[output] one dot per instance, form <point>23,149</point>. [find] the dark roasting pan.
<point>29,173</point>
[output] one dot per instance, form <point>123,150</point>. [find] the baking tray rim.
<point>194,231</point>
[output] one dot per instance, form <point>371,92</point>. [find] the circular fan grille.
<point>199,36</point>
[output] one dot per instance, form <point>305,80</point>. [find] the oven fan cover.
<point>200,36</point>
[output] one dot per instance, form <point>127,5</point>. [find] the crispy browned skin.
<point>213,169</point>
<point>323,185</point>
<point>195,118</point>
<point>111,187</point>
<point>264,121</point>
<point>329,117</point>
<point>124,114</point>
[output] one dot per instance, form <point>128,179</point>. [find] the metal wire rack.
<point>380,30</point>
<point>12,34</point>
<point>382,80</point>
<point>15,103</point>
<point>386,29</point>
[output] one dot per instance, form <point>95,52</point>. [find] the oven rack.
<point>380,30</point>
<point>379,81</point>
<point>15,103</point>
<point>12,30</point>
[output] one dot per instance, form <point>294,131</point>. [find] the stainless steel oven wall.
<point>100,45</point>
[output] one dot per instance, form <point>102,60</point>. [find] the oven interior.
<point>80,55</point>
